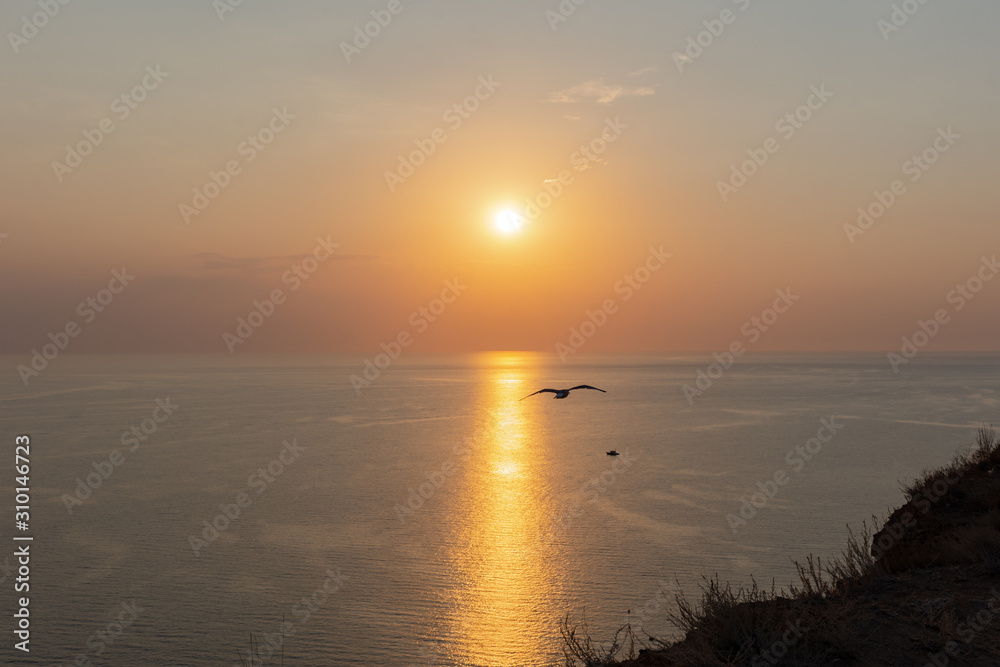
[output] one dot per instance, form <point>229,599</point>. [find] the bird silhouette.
<point>563,393</point>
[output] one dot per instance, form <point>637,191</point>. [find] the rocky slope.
<point>923,590</point>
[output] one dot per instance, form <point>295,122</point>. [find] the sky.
<point>360,176</point>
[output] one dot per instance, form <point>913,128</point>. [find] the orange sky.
<point>198,87</point>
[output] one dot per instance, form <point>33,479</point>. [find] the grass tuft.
<point>957,516</point>
<point>580,649</point>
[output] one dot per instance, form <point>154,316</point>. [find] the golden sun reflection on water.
<point>506,586</point>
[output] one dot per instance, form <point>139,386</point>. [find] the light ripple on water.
<point>465,579</point>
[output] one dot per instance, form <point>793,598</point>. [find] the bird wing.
<point>586,386</point>
<point>540,391</point>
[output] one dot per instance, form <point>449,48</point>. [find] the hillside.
<point>923,590</point>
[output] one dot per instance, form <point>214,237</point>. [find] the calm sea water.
<point>434,518</point>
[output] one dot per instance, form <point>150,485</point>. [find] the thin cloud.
<point>646,70</point>
<point>591,164</point>
<point>598,91</point>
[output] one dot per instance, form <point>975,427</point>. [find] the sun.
<point>508,222</point>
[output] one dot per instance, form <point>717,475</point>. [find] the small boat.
<point>613,452</point>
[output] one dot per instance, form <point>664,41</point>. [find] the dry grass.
<point>944,620</point>
<point>954,513</point>
<point>580,649</point>
<point>855,565</point>
<point>985,449</point>
<point>734,626</point>
<point>729,626</point>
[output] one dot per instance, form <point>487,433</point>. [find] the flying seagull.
<point>563,393</point>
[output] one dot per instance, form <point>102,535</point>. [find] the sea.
<point>185,510</point>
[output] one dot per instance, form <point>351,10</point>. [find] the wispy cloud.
<point>645,70</point>
<point>598,91</point>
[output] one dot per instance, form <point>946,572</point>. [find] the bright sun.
<point>508,222</point>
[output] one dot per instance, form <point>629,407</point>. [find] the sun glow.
<point>505,572</point>
<point>509,222</point>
